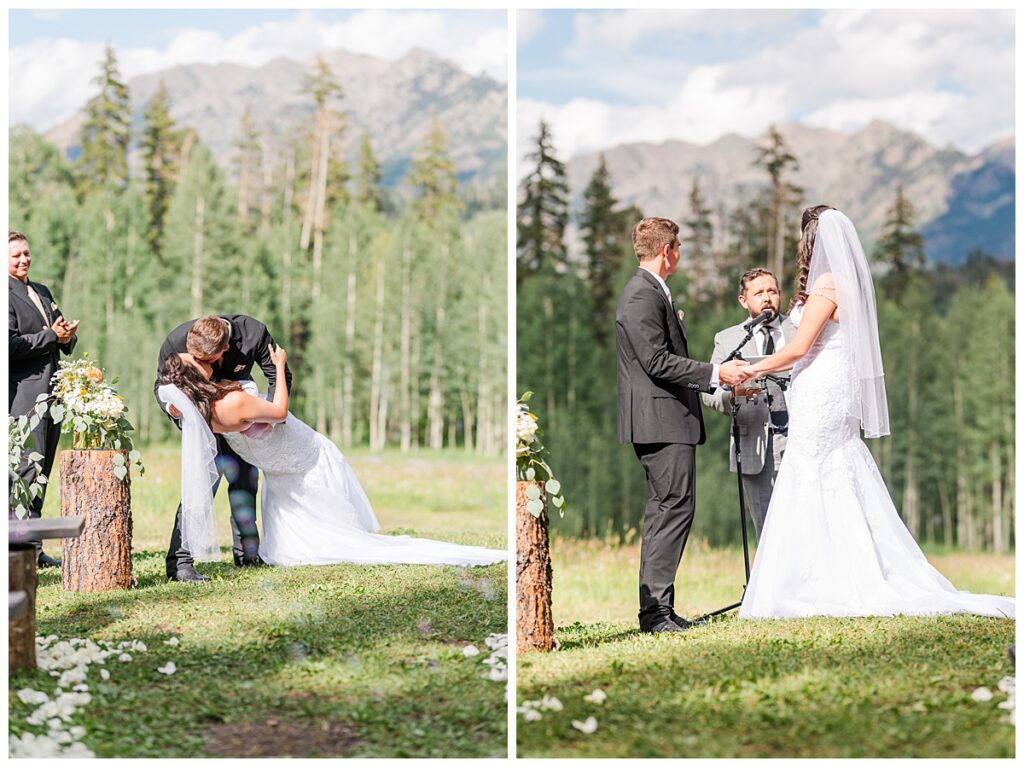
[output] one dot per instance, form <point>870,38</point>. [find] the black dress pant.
<point>668,516</point>
<point>243,481</point>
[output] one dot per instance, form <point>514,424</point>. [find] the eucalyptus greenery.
<point>21,492</point>
<point>531,465</point>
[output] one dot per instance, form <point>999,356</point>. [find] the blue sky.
<point>54,53</point>
<point>606,77</point>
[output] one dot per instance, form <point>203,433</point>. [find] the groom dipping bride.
<point>832,542</point>
<point>314,510</point>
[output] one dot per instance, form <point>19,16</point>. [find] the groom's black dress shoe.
<point>684,624</point>
<point>188,573</point>
<point>45,560</point>
<point>666,626</point>
<point>255,561</point>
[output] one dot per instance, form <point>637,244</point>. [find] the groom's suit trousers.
<point>243,481</point>
<point>668,517</point>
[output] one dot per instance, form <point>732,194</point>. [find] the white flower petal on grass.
<point>498,674</point>
<point>168,669</point>
<point>551,703</point>
<point>597,696</point>
<point>982,695</point>
<point>470,651</point>
<point>104,674</point>
<point>173,641</point>
<point>1007,684</point>
<point>587,727</point>
<point>32,697</point>
<point>532,715</point>
<point>124,657</point>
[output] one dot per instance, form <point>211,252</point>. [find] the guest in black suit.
<point>659,414</point>
<point>233,344</point>
<point>37,335</point>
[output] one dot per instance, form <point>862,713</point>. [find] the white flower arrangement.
<point>531,465</point>
<point>92,411</point>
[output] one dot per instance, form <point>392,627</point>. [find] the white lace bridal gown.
<point>315,512</point>
<point>833,542</point>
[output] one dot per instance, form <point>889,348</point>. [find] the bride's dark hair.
<point>808,233</point>
<point>193,384</point>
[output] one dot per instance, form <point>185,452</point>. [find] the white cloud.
<point>700,111</point>
<point>49,79</point>
<point>947,75</point>
<point>622,30</point>
<point>528,23</point>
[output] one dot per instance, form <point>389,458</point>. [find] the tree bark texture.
<point>100,559</point>
<point>21,632</point>
<point>535,627</point>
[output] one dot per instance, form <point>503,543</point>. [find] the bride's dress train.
<point>315,511</point>
<point>833,542</point>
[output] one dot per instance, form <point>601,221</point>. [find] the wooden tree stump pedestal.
<point>21,631</point>
<point>535,627</point>
<point>100,559</point>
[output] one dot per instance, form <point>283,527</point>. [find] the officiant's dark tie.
<point>778,413</point>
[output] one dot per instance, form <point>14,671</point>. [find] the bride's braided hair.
<point>193,384</point>
<point>808,233</point>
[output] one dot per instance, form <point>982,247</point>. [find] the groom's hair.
<point>13,236</point>
<point>650,234</point>
<point>207,336</point>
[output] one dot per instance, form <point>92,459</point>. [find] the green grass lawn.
<point>306,661</point>
<point>822,687</point>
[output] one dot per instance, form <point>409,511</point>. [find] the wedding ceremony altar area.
<point>821,687</point>
<point>329,661</point>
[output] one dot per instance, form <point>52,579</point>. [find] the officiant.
<point>762,416</point>
<point>37,335</point>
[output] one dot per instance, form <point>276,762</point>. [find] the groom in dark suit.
<point>233,344</point>
<point>659,414</point>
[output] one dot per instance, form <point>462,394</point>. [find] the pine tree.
<point>160,144</point>
<point>433,177</point>
<point>368,189</point>
<point>900,247</point>
<point>248,162</point>
<point>543,212</point>
<point>698,242</point>
<point>778,161</point>
<point>105,134</point>
<point>602,231</point>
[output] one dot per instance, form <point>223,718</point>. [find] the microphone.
<point>766,316</point>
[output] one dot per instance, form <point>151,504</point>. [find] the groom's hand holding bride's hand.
<point>734,372</point>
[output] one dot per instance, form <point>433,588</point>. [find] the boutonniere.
<point>53,306</point>
<point>680,314</point>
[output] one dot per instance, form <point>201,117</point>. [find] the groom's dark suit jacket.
<point>657,381</point>
<point>247,346</point>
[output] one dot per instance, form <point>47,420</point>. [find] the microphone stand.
<point>734,412</point>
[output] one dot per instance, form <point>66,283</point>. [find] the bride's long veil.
<point>198,476</point>
<point>838,252</point>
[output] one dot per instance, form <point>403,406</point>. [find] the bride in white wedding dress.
<point>833,542</point>
<point>313,508</point>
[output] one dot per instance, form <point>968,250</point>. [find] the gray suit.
<point>761,448</point>
<point>659,414</point>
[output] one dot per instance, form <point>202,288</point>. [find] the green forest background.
<point>947,341</point>
<point>391,303</point>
